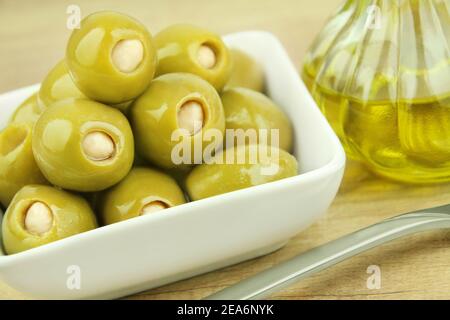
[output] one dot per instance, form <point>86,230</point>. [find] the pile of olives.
<point>94,145</point>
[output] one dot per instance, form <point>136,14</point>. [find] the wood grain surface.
<point>32,40</point>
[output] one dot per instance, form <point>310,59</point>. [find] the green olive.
<point>172,102</point>
<point>28,112</point>
<point>246,72</point>
<point>240,170</point>
<point>111,57</point>
<point>247,109</point>
<point>83,145</point>
<point>187,48</point>
<point>41,214</point>
<point>58,85</point>
<point>143,191</point>
<point>17,165</point>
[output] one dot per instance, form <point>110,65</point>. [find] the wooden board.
<point>33,37</point>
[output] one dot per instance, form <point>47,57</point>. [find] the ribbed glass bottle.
<point>380,72</point>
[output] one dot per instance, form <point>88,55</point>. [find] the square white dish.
<point>150,251</point>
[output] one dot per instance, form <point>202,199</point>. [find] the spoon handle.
<point>285,274</point>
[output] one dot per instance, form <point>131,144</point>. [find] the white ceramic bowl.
<point>201,236</point>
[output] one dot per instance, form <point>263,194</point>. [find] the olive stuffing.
<point>111,57</point>
<point>83,145</point>
<point>175,101</point>
<point>43,214</point>
<point>187,48</point>
<point>143,191</point>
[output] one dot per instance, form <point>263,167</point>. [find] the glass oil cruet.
<point>380,72</point>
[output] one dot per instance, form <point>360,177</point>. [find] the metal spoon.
<point>285,274</point>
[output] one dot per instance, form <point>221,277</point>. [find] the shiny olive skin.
<point>177,52</point>
<point>208,180</point>
<point>249,109</point>
<point>71,215</point>
<point>154,116</point>
<point>17,165</point>
<point>58,85</point>
<point>89,57</point>
<point>57,145</point>
<point>28,112</point>
<point>245,72</point>
<point>142,186</point>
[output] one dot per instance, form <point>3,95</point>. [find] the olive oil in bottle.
<point>385,88</point>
